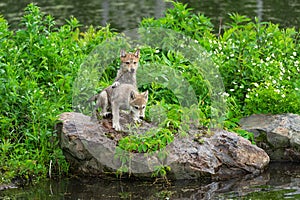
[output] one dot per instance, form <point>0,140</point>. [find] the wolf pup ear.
<point>123,53</point>
<point>137,53</point>
<point>132,95</point>
<point>146,95</point>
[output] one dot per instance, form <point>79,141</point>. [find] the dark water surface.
<point>280,181</point>
<point>126,14</point>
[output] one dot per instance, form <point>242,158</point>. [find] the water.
<point>283,12</point>
<point>280,181</point>
<point>125,14</point>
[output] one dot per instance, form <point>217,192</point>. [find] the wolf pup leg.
<point>116,118</point>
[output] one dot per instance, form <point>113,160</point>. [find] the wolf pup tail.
<point>93,98</point>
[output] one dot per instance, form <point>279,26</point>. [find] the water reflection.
<point>278,181</point>
<point>126,14</point>
<point>285,12</point>
<point>122,15</point>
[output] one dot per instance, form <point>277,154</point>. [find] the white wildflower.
<point>225,94</point>
<point>294,53</point>
<point>277,91</point>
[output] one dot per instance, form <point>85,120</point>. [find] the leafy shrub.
<point>259,65</point>
<point>38,64</point>
<point>151,141</point>
<point>258,62</point>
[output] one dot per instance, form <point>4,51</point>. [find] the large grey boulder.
<point>278,135</point>
<point>90,148</point>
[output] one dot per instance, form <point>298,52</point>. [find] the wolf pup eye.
<point>134,62</point>
<point>136,107</point>
<point>127,63</point>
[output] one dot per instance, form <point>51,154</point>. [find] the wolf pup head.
<point>129,61</point>
<point>138,104</point>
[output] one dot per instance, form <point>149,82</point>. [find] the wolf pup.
<point>126,74</point>
<point>126,97</point>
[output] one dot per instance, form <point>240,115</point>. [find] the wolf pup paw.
<point>117,127</point>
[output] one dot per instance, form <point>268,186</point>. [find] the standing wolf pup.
<point>122,94</point>
<point>126,97</point>
<point>126,74</point>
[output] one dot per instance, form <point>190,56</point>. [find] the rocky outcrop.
<point>91,149</point>
<point>278,135</point>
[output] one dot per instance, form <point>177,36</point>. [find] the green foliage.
<point>259,63</point>
<point>38,64</point>
<point>181,19</point>
<point>151,141</point>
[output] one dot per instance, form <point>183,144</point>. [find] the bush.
<point>38,64</point>
<point>259,63</point>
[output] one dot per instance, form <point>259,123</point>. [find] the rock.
<point>90,148</point>
<point>278,135</point>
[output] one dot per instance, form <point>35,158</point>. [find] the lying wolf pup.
<point>126,97</point>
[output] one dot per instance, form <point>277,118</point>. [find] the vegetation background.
<point>259,64</point>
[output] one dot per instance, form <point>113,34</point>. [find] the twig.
<point>50,169</point>
<point>220,27</point>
